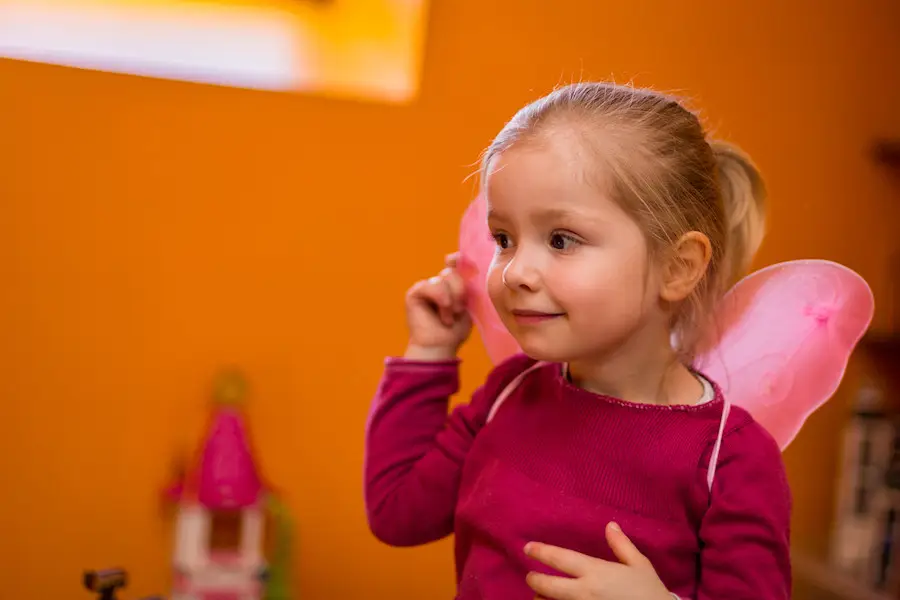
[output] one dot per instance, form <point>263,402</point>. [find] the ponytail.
<point>743,194</point>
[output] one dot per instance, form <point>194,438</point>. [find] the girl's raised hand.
<point>436,315</point>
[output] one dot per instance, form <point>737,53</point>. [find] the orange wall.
<point>153,231</point>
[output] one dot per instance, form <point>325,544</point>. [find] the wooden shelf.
<point>887,152</point>
<point>831,581</point>
<point>881,341</point>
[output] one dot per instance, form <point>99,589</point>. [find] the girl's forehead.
<point>541,180</point>
<point>547,163</point>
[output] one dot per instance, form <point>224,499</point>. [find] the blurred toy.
<point>278,582</point>
<point>222,513</point>
<point>106,582</point>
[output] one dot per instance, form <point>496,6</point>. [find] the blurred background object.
<point>360,48</point>
<point>154,229</point>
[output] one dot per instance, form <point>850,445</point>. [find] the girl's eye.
<point>562,241</point>
<point>502,240</point>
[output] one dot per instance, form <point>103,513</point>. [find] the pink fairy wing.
<point>476,251</point>
<point>786,334</point>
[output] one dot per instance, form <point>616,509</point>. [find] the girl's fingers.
<point>457,289</point>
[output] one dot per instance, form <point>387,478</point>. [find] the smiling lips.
<point>533,317</point>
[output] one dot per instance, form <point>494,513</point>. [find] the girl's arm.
<point>415,452</point>
<point>745,533</point>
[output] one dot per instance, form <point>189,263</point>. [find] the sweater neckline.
<point>566,385</point>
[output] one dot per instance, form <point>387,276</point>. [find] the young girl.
<point>611,470</point>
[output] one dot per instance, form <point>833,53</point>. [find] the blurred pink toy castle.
<point>221,514</point>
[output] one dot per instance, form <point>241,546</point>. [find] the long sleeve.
<point>415,452</point>
<point>745,534</point>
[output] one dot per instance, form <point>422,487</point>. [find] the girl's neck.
<point>648,373</point>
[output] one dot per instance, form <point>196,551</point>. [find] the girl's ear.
<point>685,266</point>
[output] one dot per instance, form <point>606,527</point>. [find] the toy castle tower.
<point>221,510</point>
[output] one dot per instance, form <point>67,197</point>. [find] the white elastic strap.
<point>509,389</point>
<point>714,458</point>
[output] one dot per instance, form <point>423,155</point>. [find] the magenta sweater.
<point>556,464</point>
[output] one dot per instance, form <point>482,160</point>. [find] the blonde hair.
<point>657,163</point>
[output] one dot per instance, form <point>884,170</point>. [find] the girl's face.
<point>571,278</point>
